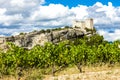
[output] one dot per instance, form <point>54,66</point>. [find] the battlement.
<point>88,23</point>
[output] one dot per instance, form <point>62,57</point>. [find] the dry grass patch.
<point>72,73</point>
<point>104,72</point>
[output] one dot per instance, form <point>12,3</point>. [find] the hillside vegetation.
<point>51,58</point>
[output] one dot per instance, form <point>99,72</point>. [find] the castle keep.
<point>88,23</point>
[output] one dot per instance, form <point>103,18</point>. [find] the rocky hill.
<point>29,40</point>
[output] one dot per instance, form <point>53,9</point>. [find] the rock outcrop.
<point>29,40</point>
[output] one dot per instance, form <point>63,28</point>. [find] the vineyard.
<point>79,52</point>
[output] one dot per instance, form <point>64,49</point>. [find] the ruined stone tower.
<point>88,23</point>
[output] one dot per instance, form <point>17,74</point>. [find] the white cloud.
<point>80,11</point>
<point>2,35</point>
<point>19,6</point>
<point>2,11</point>
<point>52,15</point>
<point>13,11</point>
<point>52,11</point>
<point>16,31</point>
<point>7,20</point>
<point>109,10</point>
<point>110,36</point>
<point>31,13</point>
<point>18,3</point>
<point>104,14</point>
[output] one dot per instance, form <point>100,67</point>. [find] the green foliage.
<point>67,27</point>
<point>22,33</point>
<point>34,75</point>
<point>86,51</point>
<point>42,31</point>
<point>56,29</point>
<point>94,30</point>
<point>48,30</point>
<point>95,40</point>
<point>35,31</point>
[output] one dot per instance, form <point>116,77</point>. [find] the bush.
<point>85,51</point>
<point>67,27</point>
<point>22,33</point>
<point>42,31</point>
<point>48,30</point>
<point>34,74</point>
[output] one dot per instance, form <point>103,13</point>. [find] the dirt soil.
<point>97,75</point>
<point>93,73</point>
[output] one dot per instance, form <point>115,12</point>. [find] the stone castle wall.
<point>88,23</point>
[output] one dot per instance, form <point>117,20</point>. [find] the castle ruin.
<point>88,23</point>
<point>38,38</point>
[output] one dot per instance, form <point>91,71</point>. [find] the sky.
<point>74,3</point>
<point>28,15</point>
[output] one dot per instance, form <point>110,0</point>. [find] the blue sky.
<point>27,15</point>
<point>73,3</point>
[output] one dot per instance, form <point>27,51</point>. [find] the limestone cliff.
<point>29,40</point>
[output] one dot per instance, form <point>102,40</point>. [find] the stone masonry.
<point>88,23</point>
